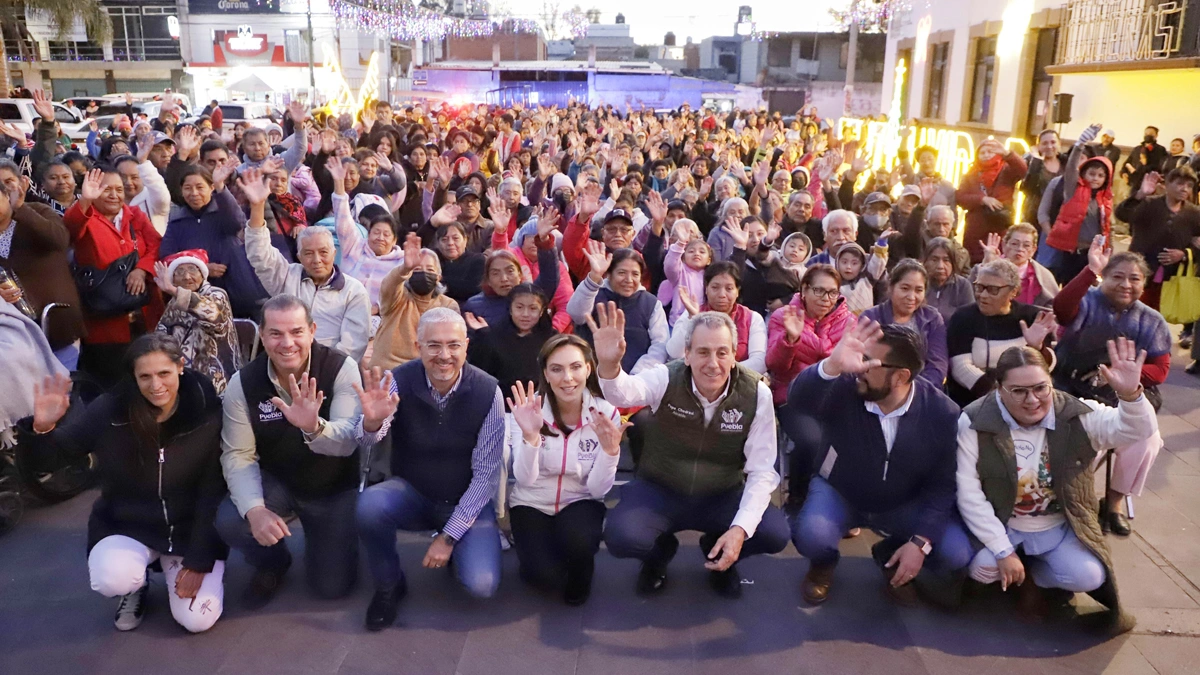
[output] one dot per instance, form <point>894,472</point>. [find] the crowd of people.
<point>464,311</point>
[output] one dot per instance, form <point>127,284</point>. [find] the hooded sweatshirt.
<point>1085,212</point>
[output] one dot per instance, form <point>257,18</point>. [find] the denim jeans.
<point>330,543</point>
<point>1057,559</point>
<point>827,516</point>
<point>648,510</point>
<point>396,505</point>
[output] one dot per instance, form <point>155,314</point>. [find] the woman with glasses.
<point>905,305</point>
<point>1038,285</point>
<point>1025,479</point>
<point>979,333</point>
<point>1091,316</point>
<point>799,334</point>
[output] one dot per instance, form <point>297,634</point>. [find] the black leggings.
<point>550,546</point>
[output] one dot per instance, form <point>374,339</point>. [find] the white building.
<point>993,67</point>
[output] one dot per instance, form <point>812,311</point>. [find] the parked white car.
<point>20,113</point>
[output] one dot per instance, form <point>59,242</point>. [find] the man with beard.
<point>887,463</point>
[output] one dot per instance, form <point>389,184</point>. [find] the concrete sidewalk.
<point>51,623</point>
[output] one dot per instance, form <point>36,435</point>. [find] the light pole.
<point>312,76</point>
<point>851,57</point>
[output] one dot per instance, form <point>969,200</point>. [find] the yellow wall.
<point>1128,101</point>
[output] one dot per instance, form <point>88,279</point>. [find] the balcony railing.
<point>1114,31</point>
<point>123,50</point>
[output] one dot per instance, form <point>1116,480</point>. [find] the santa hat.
<point>193,256</point>
<point>559,181</point>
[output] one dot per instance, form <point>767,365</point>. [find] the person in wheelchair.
<point>157,436</point>
<point>1091,316</point>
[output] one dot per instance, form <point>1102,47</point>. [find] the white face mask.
<point>875,220</point>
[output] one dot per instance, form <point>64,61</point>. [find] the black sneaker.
<point>652,579</point>
<point>132,609</point>
<point>381,613</point>
<point>727,584</point>
<point>578,589</point>
<point>263,586</point>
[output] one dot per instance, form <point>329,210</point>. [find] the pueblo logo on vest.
<point>267,412</point>
<point>731,420</point>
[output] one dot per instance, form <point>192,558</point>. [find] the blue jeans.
<point>647,511</point>
<point>1056,558</point>
<point>827,516</point>
<point>330,544</point>
<point>396,505</point>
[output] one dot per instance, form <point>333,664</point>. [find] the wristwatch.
<point>448,538</point>
<point>921,543</point>
<point>309,438</point>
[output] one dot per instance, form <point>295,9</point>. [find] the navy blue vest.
<point>282,451</point>
<point>638,309</point>
<point>432,448</point>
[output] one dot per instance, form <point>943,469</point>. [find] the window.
<point>10,112</point>
<point>983,79</point>
<point>295,46</point>
<point>61,114</point>
<point>935,93</point>
<point>779,53</point>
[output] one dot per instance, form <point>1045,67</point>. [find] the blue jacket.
<point>929,321</point>
<point>217,229</point>
<point>922,462</point>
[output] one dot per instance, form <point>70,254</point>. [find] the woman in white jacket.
<point>565,450</point>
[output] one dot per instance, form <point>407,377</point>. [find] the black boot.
<point>652,578</point>
<point>381,613</point>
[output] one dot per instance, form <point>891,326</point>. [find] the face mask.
<point>560,201</point>
<point>422,282</point>
<point>1149,140</point>
<point>875,220</point>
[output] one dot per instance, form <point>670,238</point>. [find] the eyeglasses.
<point>437,347</point>
<point>824,293</point>
<point>1039,391</point>
<point>988,289</point>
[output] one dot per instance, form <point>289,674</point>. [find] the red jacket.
<point>1065,234</point>
<point>98,244</point>
<point>980,221</point>
<point>786,359</point>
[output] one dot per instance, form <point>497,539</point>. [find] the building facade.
<point>798,69</point>
<point>994,68</point>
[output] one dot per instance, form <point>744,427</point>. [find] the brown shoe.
<point>815,588</point>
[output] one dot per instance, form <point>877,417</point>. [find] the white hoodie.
<point>566,468</point>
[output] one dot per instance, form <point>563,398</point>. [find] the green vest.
<point>693,458</point>
<point>1071,456</point>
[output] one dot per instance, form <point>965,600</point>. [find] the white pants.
<point>1131,465</point>
<point>117,566</point>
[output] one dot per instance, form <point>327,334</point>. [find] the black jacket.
<point>131,501</point>
<point>508,357</point>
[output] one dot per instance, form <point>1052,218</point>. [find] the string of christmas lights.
<point>871,16</point>
<point>401,20</point>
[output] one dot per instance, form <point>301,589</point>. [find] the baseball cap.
<point>465,191</point>
<point>1109,132</point>
<point>910,191</point>
<point>160,137</point>
<point>877,197</point>
<point>618,214</point>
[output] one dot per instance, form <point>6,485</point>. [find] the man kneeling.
<point>709,457</point>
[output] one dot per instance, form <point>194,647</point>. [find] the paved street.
<point>51,623</point>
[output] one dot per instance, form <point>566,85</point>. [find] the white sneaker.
<point>132,609</point>
<point>505,542</point>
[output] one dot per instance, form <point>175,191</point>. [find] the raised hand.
<point>689,303</point>
<point>681,233</point>
<point>163,278</point>
<point>492,196</point>
<point>1150,183</point>
<point>608,433</point>
<point>187,142</point>
<point>412,251</point>
<point>446,215</point>
<point>254,186</point>
<point>734,229</point>
<point>762,172</point>
<point>658,208</point>
<point>337,172</point>
<point>1043,326</point>
<point>269,165</point>
<point>329,139</point>
<point>1089,134</point>
<point>526,406</point>
<point>91,189</point>
<point>475,322</point>
<point>42,105</point>
<point>793,323</point>
<point>1124,374</point>
<point>376,398</point>
<point>499,211</point>
<point>221,174</point>
<point>614,188</point>
<point>991,247</point>
<point>385,163</point>
<point>706,185</point>
<point>608,335</point>
<point>304,411</point>
<point>545,166</point>
<point>298,113</point>
<point>850,354</point>
<point>1098,255</point>
<point>547,221</point>
<point>51,400</point>
<point>586,204</point>
<point>598,258</point>
<point>773,233</point>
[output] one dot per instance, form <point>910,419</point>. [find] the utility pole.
<point>851,57</point>
<point>312,76</point>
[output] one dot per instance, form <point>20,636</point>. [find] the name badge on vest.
<point>731,420</point>
<point>681,412</point>
<point>267,412</point>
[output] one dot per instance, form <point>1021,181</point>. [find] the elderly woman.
<point>1038,285</point>
<point>1093,316</point>
<point>907,285</point>
<point>407,292</point>
<point>367,259</point>
<point>721,242</point>
<point>526,248</point>
<point>978,334</point>
<point>986,192</point>
<point>502,272</point>
<point>1042,497</point>
<point>617,277</point>
<point>948,290</point>
<point>462,270</point>
<point>198,317</point>
<point>722,284</point>
<point>924,226</point>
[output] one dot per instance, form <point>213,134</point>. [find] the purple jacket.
<point>929,321</point>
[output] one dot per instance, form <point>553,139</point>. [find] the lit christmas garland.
<point>401,20</point>
<point>872,16</point>
<point>577,23</point>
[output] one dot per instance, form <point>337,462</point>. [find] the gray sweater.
<point>949,297</point>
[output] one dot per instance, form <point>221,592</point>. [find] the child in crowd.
<point>860,275</point>
<point>684,264</point>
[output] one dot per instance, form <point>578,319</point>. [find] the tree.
<point>64,13</point>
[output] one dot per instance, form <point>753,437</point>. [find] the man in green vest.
<point>709,458</point>
<point>1026,485</point>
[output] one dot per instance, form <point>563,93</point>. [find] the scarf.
<point>741,319</point>
<point>1030,287</point>
<point>289,212</point>
<point>989,171</point>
